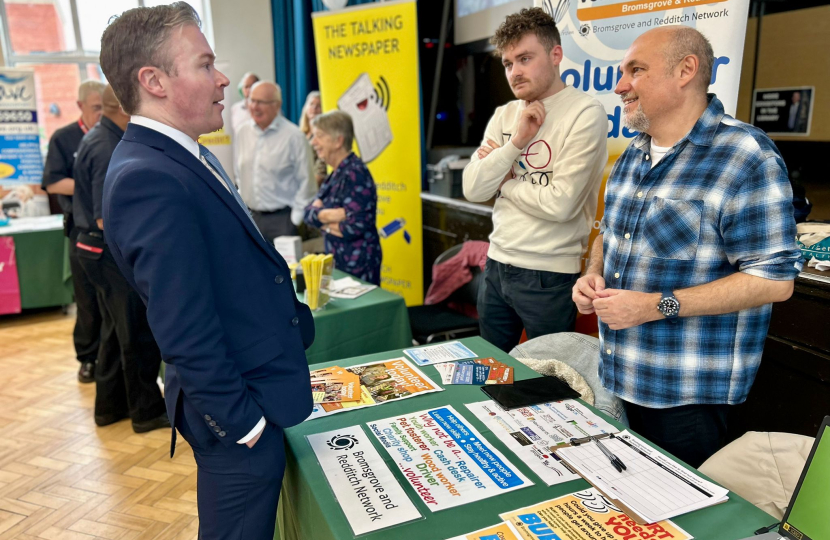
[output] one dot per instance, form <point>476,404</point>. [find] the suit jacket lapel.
<point>178,153</point>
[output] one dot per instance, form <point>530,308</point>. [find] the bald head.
<point>264,103</point>
<point>679,42</point>
<point>266,91</point>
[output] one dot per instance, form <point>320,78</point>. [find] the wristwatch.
<point>668,305</point>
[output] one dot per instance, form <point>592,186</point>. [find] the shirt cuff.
<point>251,434</point>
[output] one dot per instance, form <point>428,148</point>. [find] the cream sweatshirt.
<point>543,216</point>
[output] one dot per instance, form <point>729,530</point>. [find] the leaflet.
<point>363,485</point>
<point>443,352</point>
<point>585,515</point>
<point>502,531</point>
<point>445,460</point>
<point>532,432</point>
<point>380,382</point>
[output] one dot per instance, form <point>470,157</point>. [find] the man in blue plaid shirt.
<point>697,241</point>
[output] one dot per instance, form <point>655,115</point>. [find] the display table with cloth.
<point>42,253</point>
<point>375,322</point>
<point>308,508</point>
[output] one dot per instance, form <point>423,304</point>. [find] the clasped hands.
<point>619,309</point>
<point>331,218</point>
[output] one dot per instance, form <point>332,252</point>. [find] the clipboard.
<point>616,502</point>
<point>686,482</point>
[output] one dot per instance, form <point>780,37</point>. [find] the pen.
<point>615,461</point>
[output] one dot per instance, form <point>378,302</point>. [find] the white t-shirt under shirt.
<point>544,215</point>
<point>657,153</point>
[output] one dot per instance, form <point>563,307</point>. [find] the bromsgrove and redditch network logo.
<point>342,442</point>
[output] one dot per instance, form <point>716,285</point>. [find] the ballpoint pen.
<point>615,461</point>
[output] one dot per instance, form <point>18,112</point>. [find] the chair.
<point>439,322</point>
<point>579,351</point>
<point>761,467</point>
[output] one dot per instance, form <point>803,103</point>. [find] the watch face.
<point>669,306</point>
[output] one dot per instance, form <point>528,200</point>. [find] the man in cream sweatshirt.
<point>542,157</point>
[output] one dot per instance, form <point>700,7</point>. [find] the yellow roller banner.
<point>367,62</point>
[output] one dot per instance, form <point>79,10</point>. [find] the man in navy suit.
<point>219,297</point>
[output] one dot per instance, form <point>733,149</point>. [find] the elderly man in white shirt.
<point>239,111</point>
<point>273,165</point>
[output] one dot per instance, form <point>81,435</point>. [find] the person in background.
<point>697,242</point>
<point>273,165</point>
<point>346,205</point>
<point>542,158</point>
<point>219,297</point>
<point>58,179</point>
<point>311,110</point>
<point>240,114</point>
<point>128,359</point>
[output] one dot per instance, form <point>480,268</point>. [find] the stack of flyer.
<point>478,371</point>
<point>334,385</point>
<point>317,270</point>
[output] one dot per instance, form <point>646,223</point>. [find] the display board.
<point>595,36</point>
<point>20,158</point>
<point>367,62</point>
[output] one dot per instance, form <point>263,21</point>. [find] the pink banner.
<point>9,283</point>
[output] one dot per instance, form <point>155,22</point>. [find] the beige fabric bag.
<point>761,467</point>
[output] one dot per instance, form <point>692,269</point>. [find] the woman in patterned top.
<point>346,205</point>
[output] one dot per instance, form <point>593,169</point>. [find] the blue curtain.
<point>295,63</point>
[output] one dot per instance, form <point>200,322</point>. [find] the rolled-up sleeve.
<point>758,225</point>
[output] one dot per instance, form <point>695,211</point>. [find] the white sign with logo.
<point>20,158</point>
<point>363,485</point>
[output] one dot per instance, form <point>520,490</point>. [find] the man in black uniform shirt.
<point>58,180</point>
<point>129,359</point>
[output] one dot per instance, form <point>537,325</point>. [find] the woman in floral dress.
<point>346,205</point>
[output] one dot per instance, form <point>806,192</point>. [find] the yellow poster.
<point>586,515</point>
<point>367,62</point>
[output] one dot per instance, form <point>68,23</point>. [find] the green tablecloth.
<point>43,268</point>
<point>375,322</point>
<point>308,509</point>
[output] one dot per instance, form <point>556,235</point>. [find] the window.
<point>61,41</point>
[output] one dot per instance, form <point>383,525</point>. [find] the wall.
<point>244,40</point>
<point>793,52</point>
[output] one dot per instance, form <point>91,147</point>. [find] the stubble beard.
<point>637,120</point>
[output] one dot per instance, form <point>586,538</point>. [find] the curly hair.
<point>528,20</point>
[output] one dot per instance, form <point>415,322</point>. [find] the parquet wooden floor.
<point>63,478</point>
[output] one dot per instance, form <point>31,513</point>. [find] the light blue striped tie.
<point>214,163</point>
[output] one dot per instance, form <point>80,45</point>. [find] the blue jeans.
<point>512,298</point>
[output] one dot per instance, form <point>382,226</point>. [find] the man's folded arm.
<point>482,177</point>
<point>573,174</point>
<point>159,237</point>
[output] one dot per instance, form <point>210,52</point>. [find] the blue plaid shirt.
<point>719,202</point>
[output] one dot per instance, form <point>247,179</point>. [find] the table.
<point>308,508</point>
<point>375,322</point>
<point>42,253</point>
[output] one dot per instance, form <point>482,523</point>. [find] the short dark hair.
<point>134,40</point>
<point>527,21</point>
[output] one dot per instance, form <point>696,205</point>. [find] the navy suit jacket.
<point>219,297</point>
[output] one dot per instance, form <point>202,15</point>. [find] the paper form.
<point>653,485</point>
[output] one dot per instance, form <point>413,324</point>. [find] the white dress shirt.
<point>274,168</point>
<point>193,147</point>
<point>239,115</point>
